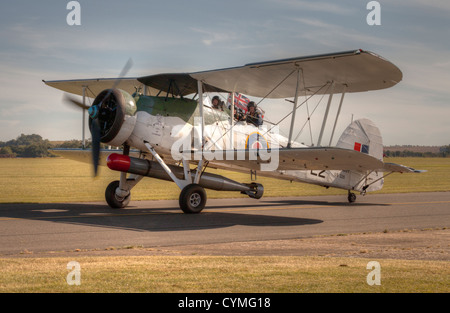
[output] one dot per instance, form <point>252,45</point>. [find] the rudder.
<point>362,135</point>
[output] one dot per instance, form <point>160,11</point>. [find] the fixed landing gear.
<point>192,199</point>
<point>192,183</point>
<point>113,200</point>
<point>351,197</point>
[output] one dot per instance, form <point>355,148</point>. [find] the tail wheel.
<point>192,199</point>
<point>113,200</point>
<point>351,197</point>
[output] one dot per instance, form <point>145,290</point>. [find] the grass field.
<point>52,180</point>
<point>200,274</point>
<point>55,180</point>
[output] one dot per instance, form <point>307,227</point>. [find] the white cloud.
<point>440,5</point>
<point>316,6</point>
<point>213,37</point>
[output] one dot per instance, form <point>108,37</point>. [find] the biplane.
<point>168,129</point>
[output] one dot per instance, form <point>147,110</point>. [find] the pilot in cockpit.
<point>217,104</point>
<point>253,116</point>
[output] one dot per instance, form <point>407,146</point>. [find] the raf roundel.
<point>256,141</point>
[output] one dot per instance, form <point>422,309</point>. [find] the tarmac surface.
<point>410,226</point>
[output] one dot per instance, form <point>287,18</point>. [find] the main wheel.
<point>192,199</point>
<point>113,200</point>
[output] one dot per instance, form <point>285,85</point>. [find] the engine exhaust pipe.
<point>144,167</point>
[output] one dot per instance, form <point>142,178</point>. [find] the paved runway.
<point>40,228</point>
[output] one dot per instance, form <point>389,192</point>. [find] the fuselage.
<point>173,125</point>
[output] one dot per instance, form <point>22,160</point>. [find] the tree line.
<point>34,146</point>
<point>444,152</point>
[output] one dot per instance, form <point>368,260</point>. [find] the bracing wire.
<point>299,105</point>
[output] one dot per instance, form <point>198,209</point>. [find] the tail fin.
<point>362,135</point>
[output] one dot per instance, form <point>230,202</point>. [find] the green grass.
<point>437,177</point>
<point>200,274</point>
<point>61,180</point>
<point>52,180</point>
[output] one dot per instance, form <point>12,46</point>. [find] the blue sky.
<point>195,35</point>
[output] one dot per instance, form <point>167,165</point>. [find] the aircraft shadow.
<point>322,203</point>
<point>267,203</point>
<point>155,219</point>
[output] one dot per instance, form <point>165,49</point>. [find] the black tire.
<point>112,199</point>
<point>351,197</point>
<point>192,199</point>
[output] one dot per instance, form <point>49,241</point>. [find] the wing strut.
<point>282,119</point>
<point>200,107</point>
<point>202,121</point>
<point>294,109</point>
<point>83,131</point>
<point>232,120</point>
<point>326,115</point>
<point>337,114</point>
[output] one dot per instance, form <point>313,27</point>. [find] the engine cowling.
<point>115,110</point>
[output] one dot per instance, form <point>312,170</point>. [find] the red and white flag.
<point>240,101</point>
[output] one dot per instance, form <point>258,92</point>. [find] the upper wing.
<point>94,86</point>
<point>180,84</point>
<point>357,70</point>
<point>354,71</point>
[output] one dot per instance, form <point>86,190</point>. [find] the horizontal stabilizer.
<point>392,167</point>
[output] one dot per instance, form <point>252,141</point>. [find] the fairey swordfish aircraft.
<point>169,128</point>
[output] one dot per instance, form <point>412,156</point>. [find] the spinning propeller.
<point>102,114</point>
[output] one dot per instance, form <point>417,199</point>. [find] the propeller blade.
<point>122,74</point>
<point>95,126</point>
<point>73,101</point>
<point>95,132</point>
